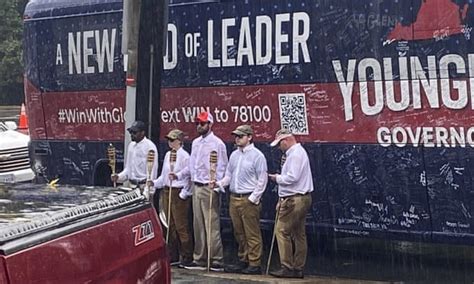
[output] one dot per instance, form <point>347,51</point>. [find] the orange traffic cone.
<point>23,125</point>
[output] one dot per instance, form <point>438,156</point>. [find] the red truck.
<point>79,235</point>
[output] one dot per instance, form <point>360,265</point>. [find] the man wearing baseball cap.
<point>135,170</point>
<point>247,177</point>
<point>199,166</point>
<point>295,184</point>
<point>178,182</point>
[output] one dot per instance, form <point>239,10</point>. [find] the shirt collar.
<point>205,138</point>
<point>247,148</point>
<point>141,141</point>
<point>292,149</point>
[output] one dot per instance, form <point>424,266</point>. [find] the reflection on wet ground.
<point>364,259</point>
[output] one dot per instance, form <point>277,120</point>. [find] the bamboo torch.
<point>112,159</point>
<point>168,217</point>
<point>150,159</point>
<point>212,177</point>
<point>282,162</point>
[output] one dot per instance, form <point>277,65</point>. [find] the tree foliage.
<point>11,64</point>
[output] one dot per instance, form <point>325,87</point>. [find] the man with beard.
<point>135,170</point>
<point>199,166</point>
<point>247,176</point>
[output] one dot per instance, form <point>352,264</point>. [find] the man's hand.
<point>150,184</point>
<point>114,177</point>
<point>172,176</point>
<point>273,177</point>
<point>212,184</point>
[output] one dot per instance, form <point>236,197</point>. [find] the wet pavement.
<point>183,276</point>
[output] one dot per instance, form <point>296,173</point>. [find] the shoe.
<point>298,273</point>
<point>254,270</point>
<point>217,267</point>
<point>183,264</point>
<point>283,272</point>
<point>175,263</point>
<point>194,266</point>
<point>236,268</point>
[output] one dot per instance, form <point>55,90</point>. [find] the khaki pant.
<point>180,235</point>
<point>246,222</point>
<point>201,220</point>
<point>290,231</point>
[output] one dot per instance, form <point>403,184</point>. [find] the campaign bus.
<point>379,93</point>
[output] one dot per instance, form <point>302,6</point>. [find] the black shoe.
<point>298,273</point>
<point>217,267</point>
<point>183,264</point>
<point>283,272</point>
<point>254,270</point>
<point>194,266</point>
<point>175,263</point>
<point>236,268</point>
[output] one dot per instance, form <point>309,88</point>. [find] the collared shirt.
<point>136,162</point>
<point>199,160</point>
<point>296,174</point>
<point>180,169</point>
<point>246,173</point>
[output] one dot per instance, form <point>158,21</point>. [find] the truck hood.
<point>11,139</point>
<point>30,208</point>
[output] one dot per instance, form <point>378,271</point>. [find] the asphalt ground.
<point>184,276</point>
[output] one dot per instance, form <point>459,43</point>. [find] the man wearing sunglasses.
<point>295,184</point>
<point>247,176</point>
<point>199,166</point>
<point>135,170</point>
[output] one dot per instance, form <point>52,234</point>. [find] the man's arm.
<point>262,179</point>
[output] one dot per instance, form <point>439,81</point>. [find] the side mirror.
<point>11,125</point>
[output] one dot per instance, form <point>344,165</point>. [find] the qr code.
<point>293,113</point>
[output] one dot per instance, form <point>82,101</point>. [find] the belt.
<point>177,188</point>
<point>137,182</point>
<point>239,195</point>
<point>200,184</point>
<point>294,195</point>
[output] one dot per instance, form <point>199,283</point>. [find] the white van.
<point>14,156</point>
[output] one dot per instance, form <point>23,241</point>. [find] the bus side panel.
<point>374,189</point>
<point>449,179</point>
<point>86,161</point>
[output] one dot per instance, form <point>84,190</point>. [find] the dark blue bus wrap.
<point>380,93</point>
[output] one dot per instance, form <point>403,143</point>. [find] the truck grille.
<point>14,159</point>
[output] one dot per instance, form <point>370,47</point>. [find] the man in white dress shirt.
<point>247,176</point>
<point>180,238</point>
<point>199,166</point>
<point>295,184</point>
<point>135,170</point>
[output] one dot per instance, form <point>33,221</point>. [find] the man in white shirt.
<point>179,183</point>
<point>295,184</point>
<point>247,176</point>
<point>135,170</point>
<point>199,166</point>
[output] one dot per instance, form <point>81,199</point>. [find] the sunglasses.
<point>202,123</point>
<point>133,132</point>
<point>239,136</point>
